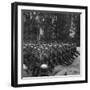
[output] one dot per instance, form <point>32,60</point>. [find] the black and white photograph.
<point>50,44</point>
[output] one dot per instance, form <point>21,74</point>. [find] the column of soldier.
<point>52,54</point>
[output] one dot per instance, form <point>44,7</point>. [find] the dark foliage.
<point>56,26</point>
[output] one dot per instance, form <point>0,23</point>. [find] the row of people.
<point>52,56</point>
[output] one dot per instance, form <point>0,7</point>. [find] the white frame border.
<point>82,48</point>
